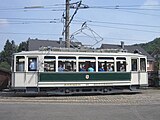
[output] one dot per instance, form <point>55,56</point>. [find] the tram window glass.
<point>134,64</point>
<point>32,64</point>
<point>121,64</point>
<point>66,64</point>
<point>105,64</point>
<point>87,64</point>
<point>20,63</point>
<point>142,64</point>
<point>49,63</point>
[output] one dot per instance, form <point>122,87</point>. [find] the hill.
<point>150,47</point>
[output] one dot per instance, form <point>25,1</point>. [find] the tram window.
<point>87,64</point>
<point>121,64</point>
<point>142,64</point>
<point>67,64</point>
<point>49,63</point>
<point>20,63</point>
<point>105,64</point>
<point>32,64</point>
<point>134,64</point>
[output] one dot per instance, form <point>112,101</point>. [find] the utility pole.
<point>67,40</point>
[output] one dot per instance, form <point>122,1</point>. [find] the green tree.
<point>6,54</point>
<point>5,65</point>
<point>150,47</point>
<point>23,46</point>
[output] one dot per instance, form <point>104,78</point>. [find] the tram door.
<point>143,72</point>
<point>135,78</point>
<point>18,74</point>
<point>31,75</point>
<point>139,73</point>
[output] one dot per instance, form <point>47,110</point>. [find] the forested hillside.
<point>151,46</point>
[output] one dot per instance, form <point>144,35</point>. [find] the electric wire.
<point>21,33</point>
<point>115,23</point>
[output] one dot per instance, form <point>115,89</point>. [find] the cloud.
<point>3,22</point>
<point>150,3</point>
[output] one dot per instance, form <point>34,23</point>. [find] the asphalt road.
<point>78,112</point>
<point>143,106</point>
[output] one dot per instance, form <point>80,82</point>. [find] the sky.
<point>102,22</point>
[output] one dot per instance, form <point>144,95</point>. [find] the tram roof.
<point>63,51</point>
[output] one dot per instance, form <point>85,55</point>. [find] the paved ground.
<point>142,106</point>
<point>29,111</point>
<point>148,96</point>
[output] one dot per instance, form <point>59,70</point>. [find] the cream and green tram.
<point>69,71</point>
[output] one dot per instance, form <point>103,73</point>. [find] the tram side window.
<point>49,63</point>
<point>134,64</point>
<point>32,64</point>
<point>20,63</point>
<point>121,64</point>
<point>87,64</point>
<point>105,64</point>
<point>142,64</point>
<point>67,64</point>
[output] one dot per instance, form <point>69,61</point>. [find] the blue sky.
<point>131,21</point>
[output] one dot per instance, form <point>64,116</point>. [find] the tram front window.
<point>32,64</point>
<point>20,63</point>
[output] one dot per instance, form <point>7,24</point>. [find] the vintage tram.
<point>71,71</point>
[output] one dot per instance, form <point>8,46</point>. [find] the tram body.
<point>74,77</point>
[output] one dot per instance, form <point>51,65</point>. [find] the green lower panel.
<point>83,77</point>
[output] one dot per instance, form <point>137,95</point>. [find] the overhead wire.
<point>62,6</point>
<point>79,20</point>
<point>141,13</point>
<point>21,33</point>
<point>124,39</point>
<point>128,8</point>
<point>115,23</point>
<point>123,28</point>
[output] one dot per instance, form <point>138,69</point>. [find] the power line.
<point>29,20</point>
<point>62,7</point>
<point>35,7</point>
<point>127,28</point>
<point>149,31</point>
<point>114,23</point>
<point>131,7</point>
<point>17,33</point>
<point>140,13</point>
<point>113,38</point>
<point>57,20</point>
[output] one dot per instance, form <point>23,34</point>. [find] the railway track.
<point>149,96</point>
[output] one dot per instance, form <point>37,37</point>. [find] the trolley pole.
<point>67,40</point>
